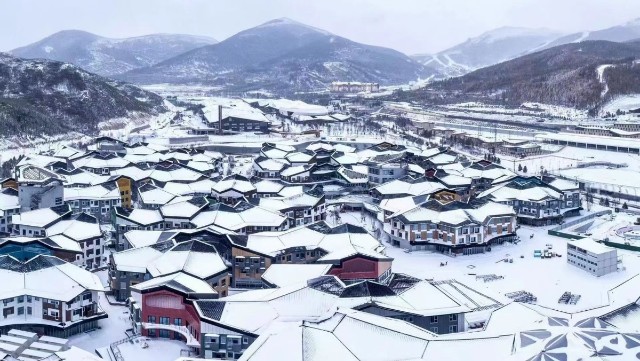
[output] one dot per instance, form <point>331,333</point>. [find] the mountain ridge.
<point>237,61</point>
<point>110,56</point>
<point>45,97</point>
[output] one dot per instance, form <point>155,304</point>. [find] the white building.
<point>9,205</point>
<point>47,292</point>
<point>592,256</point>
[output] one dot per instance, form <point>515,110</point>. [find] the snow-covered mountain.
<point>621,33</point>
<point>489,48</point>
<point>106,56</point>
<point>44,97</point>
<point>578,75</point>
<point>282,54</point>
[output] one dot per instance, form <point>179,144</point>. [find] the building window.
<point>152,319</point>
<point>453,328</point>
<point>164,320</point>
<point>434,329</point>
<point>29,310</point>
<point>433,319</point>
<point>20,310</point>
<point>453,317</point>
<point>177,321</point>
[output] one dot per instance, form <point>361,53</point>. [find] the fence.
<point>600,164</point>
<point>622,246</point>
<point>557,231</point>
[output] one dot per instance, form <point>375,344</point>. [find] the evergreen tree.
<point>524,169</point>
<point>519,167</point>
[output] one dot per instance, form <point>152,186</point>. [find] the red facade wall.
<point>356,268</point>
<point>177,309</point>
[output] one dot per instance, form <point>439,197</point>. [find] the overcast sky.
<point>411,26</point>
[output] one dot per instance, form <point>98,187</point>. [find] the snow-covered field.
<point>623,103</point>
<point>547,279</point>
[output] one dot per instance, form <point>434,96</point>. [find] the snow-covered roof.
<point>530,192</point>
<point>268,186</point>
<point>238,217</point>
<point>100,162</point>
<point>33,174</point>
<point>211,113</point>
<point>298,157</point>
<point>295,106</point>
<point>183,208</point>
<point>140,216</point>
<point>136,259</point>
<point>83,177</point>
<point>192,257</point>
<point>345,239</point>
<point>317,146</point>
<point>234,182</point>
<point>40,217</point>
<point>270,164</point>
<point>150,194</point>
<point>60,242</point>
<point>291,171</point>
<point>590,245</point>
<point>200,187</point>
<point>355,175</point>
<point>281,275</point>
<point>46,277</point>
<point>495,173</point>
<point>413,187</point>
<point>453,213</point>
<point>590,139</point>
<point>179,281</point>
<point>79,229</point>
<point>171,173</point>
<point>348,334</point>
<point>564,185</point>
<point>141,238</point>
<point>303,200</point>
<point>8,200</point>
<point>290,191</point>
<point>97,192</point>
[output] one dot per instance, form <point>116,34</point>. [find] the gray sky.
<point>411,26</point>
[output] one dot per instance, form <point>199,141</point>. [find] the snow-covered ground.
<point>547,279</point>
<point>155,349</point>
<point>111,329</point>
<point>623,103</point>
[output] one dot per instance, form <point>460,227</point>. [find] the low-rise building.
<point>35,223</point>
<point>536,202</point>
<point>9,205</point>
<point>194,258</point>
<point>48,295</point>
<point>163,307</point>
<point>354,87</point>
<point>38,188</point>
<point>447,225</point>
<point>125,220</point>
<point>592,257</point>
<point>230,190</point>
<point>304,208</point>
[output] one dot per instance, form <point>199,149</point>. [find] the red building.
<point>361,266</point>
<point>163,307</point>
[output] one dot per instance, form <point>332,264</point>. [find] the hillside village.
<point>158,244</point>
